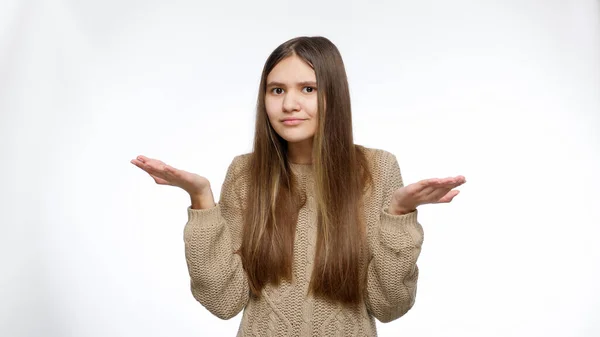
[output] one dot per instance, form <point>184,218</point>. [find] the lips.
<point>292,121</point>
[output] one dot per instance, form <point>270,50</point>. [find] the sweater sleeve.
<point>392,270</point>
<point>217,278</point>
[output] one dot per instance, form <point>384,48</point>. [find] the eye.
<point>277,91</point>
<point>310,89</point>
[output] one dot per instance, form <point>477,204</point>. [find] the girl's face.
<point>291,100</point>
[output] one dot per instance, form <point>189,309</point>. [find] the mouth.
<point>292,121</point>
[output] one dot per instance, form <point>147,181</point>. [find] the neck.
<point>300,152</point>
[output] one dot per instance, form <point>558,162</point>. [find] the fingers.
<point>137,163</point>
<point>155,168</point>
<point>147,160</point>
<point>449,196</point>
<point>450,182</point>
<point>440,195</point>
<point>459,180</point>
<point>151,166</point>
<point>438,190</point>
<point>160,172</point>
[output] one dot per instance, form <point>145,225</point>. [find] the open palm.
<point>428,191</point>
<point>164,174</point>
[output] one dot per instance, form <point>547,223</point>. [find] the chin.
<point>295,138</point>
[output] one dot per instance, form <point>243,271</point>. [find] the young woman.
<point>313,235</point>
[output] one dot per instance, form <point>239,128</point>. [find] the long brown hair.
<point>341,176</point>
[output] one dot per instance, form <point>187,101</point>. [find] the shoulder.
<point>239,164</point>
<point>238,170</point>
<point>384,168</point>
<point>379,160</point>
<point>242,161</point>
<point>237,177</point>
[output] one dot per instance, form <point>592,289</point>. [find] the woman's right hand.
<point>164,174</point>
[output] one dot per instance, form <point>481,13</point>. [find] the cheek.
<point>271,107</point>
<point>312,106</point>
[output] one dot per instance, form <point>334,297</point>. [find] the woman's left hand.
<point>428,191</point>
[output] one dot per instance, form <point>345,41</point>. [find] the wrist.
<point>202,200</point>
<point>399,210</point>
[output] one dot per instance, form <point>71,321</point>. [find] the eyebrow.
<point>279,84</point>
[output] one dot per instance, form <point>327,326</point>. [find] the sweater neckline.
<point>302,168</point>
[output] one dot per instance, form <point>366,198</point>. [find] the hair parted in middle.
<point>341,176</point>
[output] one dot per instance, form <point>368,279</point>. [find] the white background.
<point>506,93</point>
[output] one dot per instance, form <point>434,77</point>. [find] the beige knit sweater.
<point>219,283</point>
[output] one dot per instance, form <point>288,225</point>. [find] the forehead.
<point>292,69</point>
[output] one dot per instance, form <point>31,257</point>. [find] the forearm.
<point>393,271</point>
<point>218,280</point>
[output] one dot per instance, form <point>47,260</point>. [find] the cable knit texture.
<point>219,283</point>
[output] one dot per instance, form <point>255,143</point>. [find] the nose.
<point>290,102</point>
